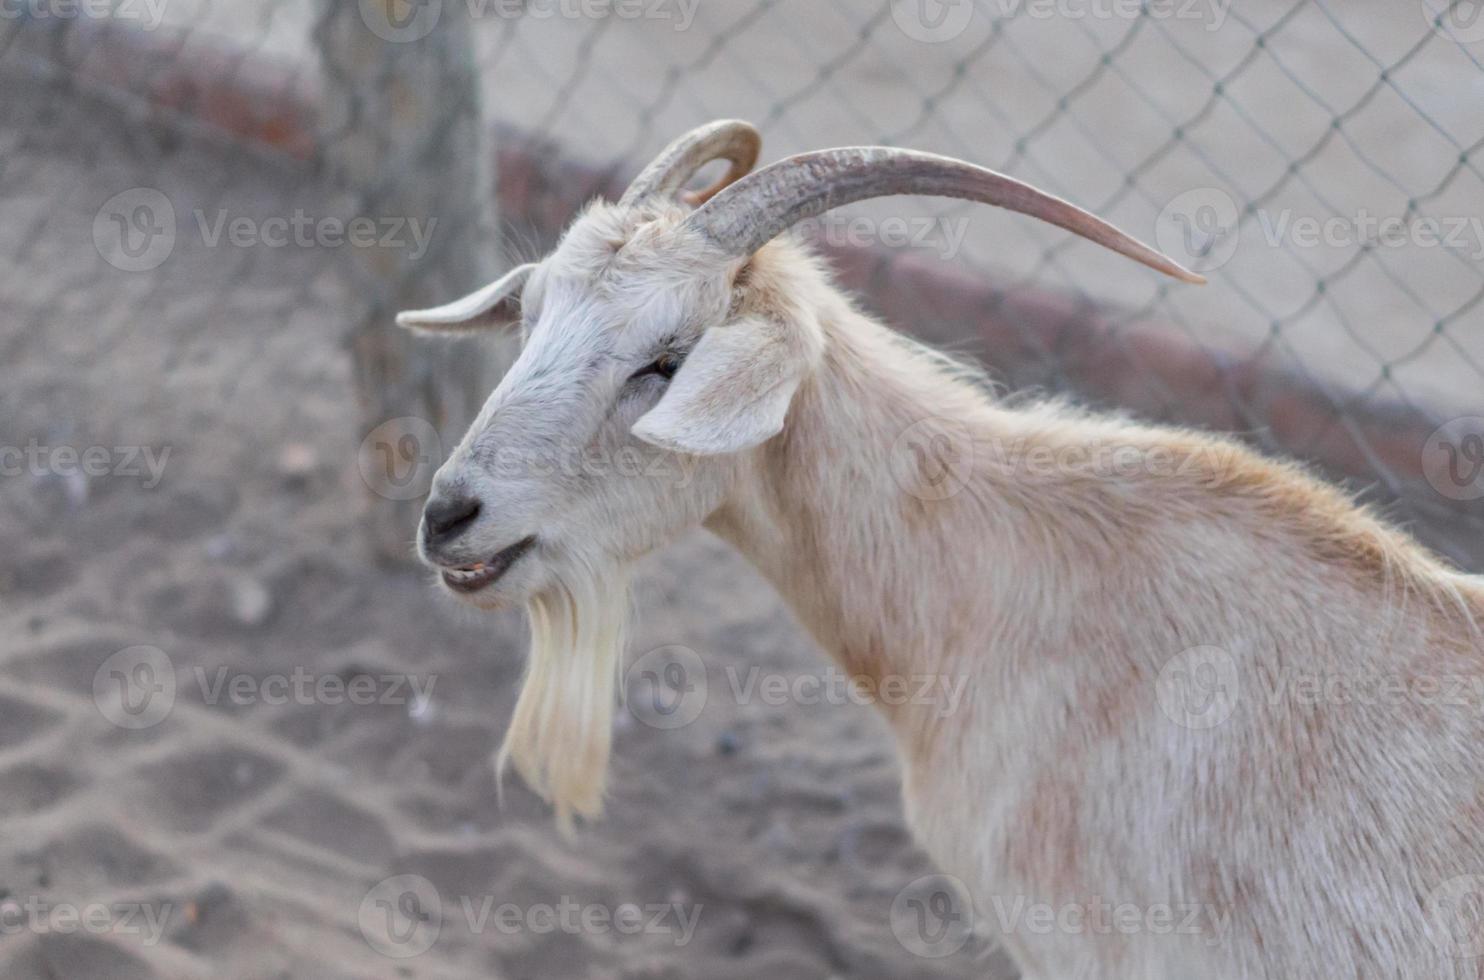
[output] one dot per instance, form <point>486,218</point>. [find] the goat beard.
<point>561,732</point>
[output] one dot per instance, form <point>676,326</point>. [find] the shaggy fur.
<point>561,729</point>
<point>1305,838</point>
<point>1062,564</point>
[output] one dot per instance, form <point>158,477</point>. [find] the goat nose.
<point>444,516</point>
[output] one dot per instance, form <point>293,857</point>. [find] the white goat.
<point>1078,571</point>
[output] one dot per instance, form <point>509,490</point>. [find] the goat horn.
<point>753,212</point>
<point>668,173</point>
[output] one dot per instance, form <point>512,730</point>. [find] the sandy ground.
<point>241,825</point>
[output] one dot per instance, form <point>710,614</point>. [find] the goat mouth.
<point>472,578</point>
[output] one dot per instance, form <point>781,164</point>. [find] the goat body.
<point>1217,721</point>
<point>1083,573</point>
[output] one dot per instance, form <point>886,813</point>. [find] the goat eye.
<point>664,366</point>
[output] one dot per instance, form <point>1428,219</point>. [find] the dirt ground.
<point>245,832</point>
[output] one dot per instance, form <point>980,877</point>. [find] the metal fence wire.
<point>1317,160</point>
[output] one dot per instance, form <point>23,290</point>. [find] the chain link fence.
<point>1317,162</point>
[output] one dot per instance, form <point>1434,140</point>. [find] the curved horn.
<point>668,173</point>
<point>753,212</point>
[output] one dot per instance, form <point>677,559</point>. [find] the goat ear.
<point>494,307</point>
<point>732,392</point>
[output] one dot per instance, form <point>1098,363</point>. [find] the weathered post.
<point>402,133</point>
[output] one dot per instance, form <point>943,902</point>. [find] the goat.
<point>919,526</point>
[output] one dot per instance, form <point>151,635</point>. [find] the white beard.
<point>561,732</point>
